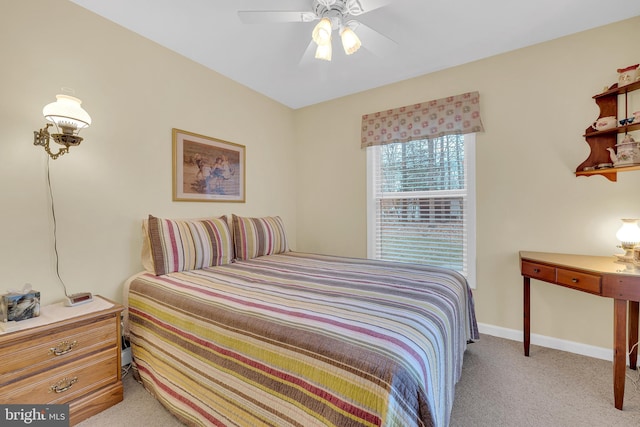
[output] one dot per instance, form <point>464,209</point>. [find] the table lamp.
<point>629,236</point>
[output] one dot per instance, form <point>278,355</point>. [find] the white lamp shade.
<point>324,52</point>
<point>350,41</point>
<point>67,112</point>
<point>629,232</point>
<point>322,32</point>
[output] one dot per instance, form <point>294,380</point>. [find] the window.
<point>421,202</point>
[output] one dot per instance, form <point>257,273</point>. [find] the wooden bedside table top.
<point>58,312</point>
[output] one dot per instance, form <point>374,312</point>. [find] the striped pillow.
<point>179,245</point>
<point>254,237</point>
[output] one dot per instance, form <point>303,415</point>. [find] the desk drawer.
<point>538,271</point>
<point>581,281</point>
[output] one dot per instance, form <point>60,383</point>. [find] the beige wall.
<point>136,92</point>
<point>304,165</point>
<point>535,104</point>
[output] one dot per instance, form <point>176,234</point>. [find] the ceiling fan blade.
<point>374,41</point>
<point>275,16</point>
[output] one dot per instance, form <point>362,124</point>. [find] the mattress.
<point>299,339</point>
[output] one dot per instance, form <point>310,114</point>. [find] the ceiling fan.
<point>334,15</point>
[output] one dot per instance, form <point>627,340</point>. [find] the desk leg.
<point>633,333</point>
<point>619,350</point>
<point>527,313</point>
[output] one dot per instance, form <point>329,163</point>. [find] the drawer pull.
<point>536,270</point>
<point>63,348</point>
<point>63,385</point>
<point>574,280</point>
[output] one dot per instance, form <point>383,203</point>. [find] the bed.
<point>253,334</point>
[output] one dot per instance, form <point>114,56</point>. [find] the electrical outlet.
<point>126,356</point>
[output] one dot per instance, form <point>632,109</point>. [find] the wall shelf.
<point>610,173</point>
<point>600,141</point>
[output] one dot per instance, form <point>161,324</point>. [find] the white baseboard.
<point>549,342</point>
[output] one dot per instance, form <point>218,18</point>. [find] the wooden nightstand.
<point>67,355</point>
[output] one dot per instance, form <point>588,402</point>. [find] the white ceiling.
<point>431,35</point>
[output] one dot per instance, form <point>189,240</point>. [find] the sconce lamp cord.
<point>55,242</point>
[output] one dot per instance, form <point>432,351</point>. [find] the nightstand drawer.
<point>42,352</point>
<point>582,281</point>
<point>64,383</point>
<point>538,271</point>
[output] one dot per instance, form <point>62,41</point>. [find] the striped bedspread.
<point>303,340</point>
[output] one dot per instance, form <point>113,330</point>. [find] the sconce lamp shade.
<point>67,114</point>
<point>322,32</point>
<point>350,41</point>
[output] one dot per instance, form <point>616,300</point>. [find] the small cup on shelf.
<point>628,75</point>
<point>605,123</point>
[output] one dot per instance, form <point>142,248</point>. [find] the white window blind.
<point>422,202</point>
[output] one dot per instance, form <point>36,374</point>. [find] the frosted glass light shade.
<point>322,32</point>
<point>324,52</point>
<point>67,113</point>
<point>350,41</point>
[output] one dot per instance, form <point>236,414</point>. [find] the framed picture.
<point>207,169</point>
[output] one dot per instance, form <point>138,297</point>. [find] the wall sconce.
<point>69,118</point>
<point>629,236</point>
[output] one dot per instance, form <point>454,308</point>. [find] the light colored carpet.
<point>502,387</point>
<point>499,387</point>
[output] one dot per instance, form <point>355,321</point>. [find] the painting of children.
<point>207,169</point>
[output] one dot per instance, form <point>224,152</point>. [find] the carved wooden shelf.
<point>610,173</point>
<point>599,141</point>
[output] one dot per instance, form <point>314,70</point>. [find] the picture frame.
<point>207,169</point>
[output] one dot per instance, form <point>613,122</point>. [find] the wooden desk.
<point>598,275</point>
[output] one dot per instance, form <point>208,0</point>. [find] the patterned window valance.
<point>458,114</point>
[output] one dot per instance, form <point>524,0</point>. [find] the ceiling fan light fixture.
<point>324,51</point>
<point>350,41</point>
<point>322,32</point>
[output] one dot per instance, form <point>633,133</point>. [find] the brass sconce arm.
<point>43,137</point>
